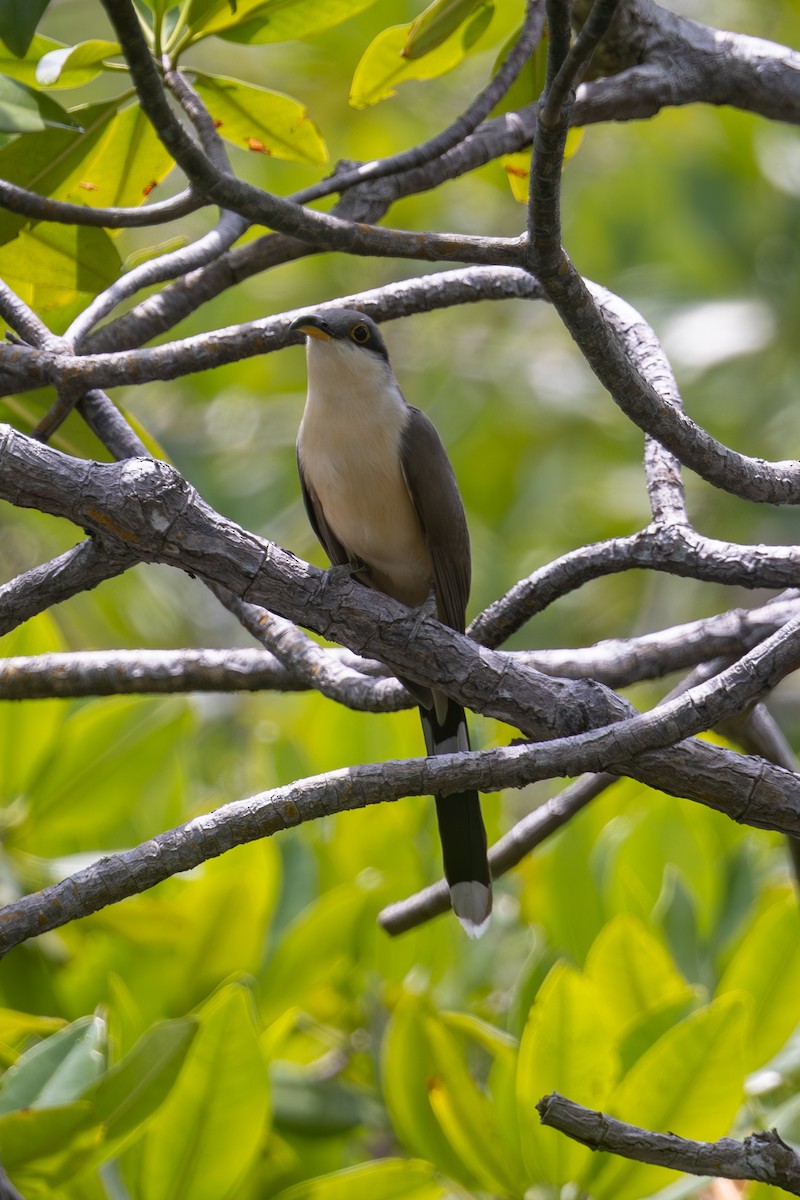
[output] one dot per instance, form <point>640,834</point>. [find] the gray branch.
<point>761,1156</point>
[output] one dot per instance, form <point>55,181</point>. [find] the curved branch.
<point>673,549</point>
<point>42,208</point>
<point>264,208</point>
<point>77,570</point>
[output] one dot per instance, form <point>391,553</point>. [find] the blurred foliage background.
<point>245,1028</point>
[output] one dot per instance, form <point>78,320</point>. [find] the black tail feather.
<point>461,829</point>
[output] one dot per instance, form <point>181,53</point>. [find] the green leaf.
<point>633,972</point>
<point>32,1134</point>
<point>407,1059</point>
<point>565,1048</point>
<point>14,1026</point>
<point>48,265</point>
<point>213,1122</point>
<point>315,1107</point>
<point>437,23</point>
<point>766,966</point>
<point>318,949</point>
<point>383,68</point>
<point>691,1082</point>
<point>123,167</point>
<point>69,66</point>
<point>29,731</point>
<point>52,163</point>
<point>24,110</point>
<point>385,1179</point>
<point>18,21</point>
<point>262,121</point>
<point>24,69</point>
<point>120,750</point>
<point>133,1089</point>
<point>465,1114</point>
<point>58,1070</point>
<point>264,21</point>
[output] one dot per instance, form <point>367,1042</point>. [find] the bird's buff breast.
<point>357,477</point>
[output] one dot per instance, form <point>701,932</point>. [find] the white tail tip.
<point>472,904</point>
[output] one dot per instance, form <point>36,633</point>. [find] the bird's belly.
<point>368,507</point>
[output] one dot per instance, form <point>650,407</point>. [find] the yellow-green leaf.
<point>465,1114</point>
<point>52,163</point>
<point>633,972</point>
<point>283,20</point>
<point>262,121</point>
<point>407,1063</point>
<point>565,1048</point>
<point>383,68</point>
<point>70,66</point>
<point>385,1179</point>
<point>766,966</point>
<point>24,69</point>
<point>437,23</point>
<point>691,1082</point>
<point>24,110</point>
<point>215,1118</point>
<point>48,265</point>
<point>517,166</point>
<point>122,167</point>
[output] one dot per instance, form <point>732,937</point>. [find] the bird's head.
<point>344,329</point>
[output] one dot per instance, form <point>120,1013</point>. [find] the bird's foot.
<point>350,570</point>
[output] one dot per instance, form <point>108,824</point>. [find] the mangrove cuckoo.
<point>382,498</point>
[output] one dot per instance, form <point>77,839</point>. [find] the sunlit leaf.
<point>18,21</point>
<point>14,1026</point>
<point>766,966</point>
<point>262,121</point>
<point>133,1089</point>
<point>32,1134</point>
<point>465,1114</point>
<point>691,1082</point>
<point>70,66</point>
<point>317,950</point>
<point>24,69</point>
<point>437,23</point>
<point>263,21</point>
<point>383,68</point>
<point>565,1048</point>
<point>48,264</point>
<point>633,972</point>
<point>24,110</point>
<point>29,732</point>
<point>51,163</point>
<point>215,1118</point>
<point>57,1070</point>
<point>122,168</point>
<point>407,1062</point>
<point>386,1179</point>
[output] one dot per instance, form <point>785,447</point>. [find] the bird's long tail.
<point>461,830</point>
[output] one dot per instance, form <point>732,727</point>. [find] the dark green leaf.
<point>24,110</point>
<point>18,21</point>
<point>436,24</point>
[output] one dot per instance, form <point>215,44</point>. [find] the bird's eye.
<point>360,334</point>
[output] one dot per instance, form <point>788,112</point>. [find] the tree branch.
<point>761,1156</point>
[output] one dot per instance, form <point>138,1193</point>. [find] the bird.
<point>382,498</point>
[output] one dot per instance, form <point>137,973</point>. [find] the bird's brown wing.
<point>330,543</point>
<point>436,498</point>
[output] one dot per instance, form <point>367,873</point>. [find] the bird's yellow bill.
<point>313,331</point>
